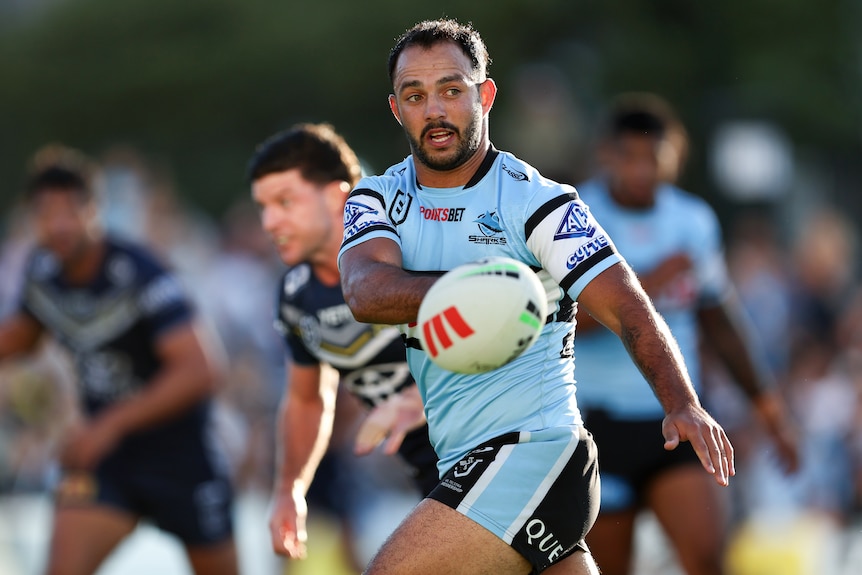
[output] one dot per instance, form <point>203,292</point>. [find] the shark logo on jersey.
<point>489,225</point>
<point>516,175</point>
<point>399,208</point>
<point>575,223</point>
<point>353,211</point>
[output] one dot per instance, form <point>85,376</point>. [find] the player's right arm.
<point>304,428</point>
<point>376,288</point>
<point>19,334</point>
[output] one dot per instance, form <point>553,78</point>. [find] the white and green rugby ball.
<point>481,315</point>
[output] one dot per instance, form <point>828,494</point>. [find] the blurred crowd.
<point>798,283</point>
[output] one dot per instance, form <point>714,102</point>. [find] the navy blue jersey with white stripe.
<point>111,325</point>
<point>318,327</point>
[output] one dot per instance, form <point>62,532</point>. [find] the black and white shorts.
<point>537,491</point>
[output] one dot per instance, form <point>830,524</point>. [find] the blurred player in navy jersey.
<point>300,178</point>
<point>672,240</point>
<point>142,447</point>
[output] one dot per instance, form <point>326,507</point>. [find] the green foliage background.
<point>197,83</point>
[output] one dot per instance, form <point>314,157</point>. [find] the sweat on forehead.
<point>432,32</point>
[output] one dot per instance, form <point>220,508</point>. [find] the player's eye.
<point>413,98</point>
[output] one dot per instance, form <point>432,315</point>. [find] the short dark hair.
<point>58,167</point>
<point>319,153</point>
<point>639,113</point>
<point>431,32</point>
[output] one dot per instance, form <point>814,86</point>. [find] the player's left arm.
<point>727,331</point>
<point>188,375</point>
<point>616,298</point>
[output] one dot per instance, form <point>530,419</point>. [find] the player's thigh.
<point>83,536</point>
<point>217,559</point>
<point>611,540</point>
<point>436,539</point>
<point>578,563</point>
<point>692,509</point>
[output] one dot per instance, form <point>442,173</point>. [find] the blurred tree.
<point>198,83</point>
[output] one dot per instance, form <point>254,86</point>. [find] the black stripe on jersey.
<point>579,271</point>
<point>367,230</point>
<point>566,313</point>
<point>484,168</point>
<point>546,209</point>
<point>411,342</point>
<point>435,273</point>
<point>368,192</point>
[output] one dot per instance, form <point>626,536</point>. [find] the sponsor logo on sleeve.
<point>353,212</point>
<point>586,251</point>
<point>575,223</point>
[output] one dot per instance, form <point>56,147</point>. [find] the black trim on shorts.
<point>553,520</point>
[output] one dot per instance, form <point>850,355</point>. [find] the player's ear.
<point>336,195</point>
<point>487,94</point>
<point>393,106</point>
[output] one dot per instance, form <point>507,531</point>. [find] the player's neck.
<point>84,267</point>
<point>459,176</point>
<point>324,265</point>
<point>326,273</point>
<point>629,201</point>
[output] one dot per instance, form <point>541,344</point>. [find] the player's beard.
<point>468,144</point>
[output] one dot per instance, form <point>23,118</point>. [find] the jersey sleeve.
<point>286,321</point>
<point>365,215</point>
<point>567,240</point>
<point>294,345</point>
<point>163,302</point>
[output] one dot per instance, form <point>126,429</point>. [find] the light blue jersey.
<point>507,209</point>
<point>679,222</point>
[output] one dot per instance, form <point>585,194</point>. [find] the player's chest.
<point>646,241</point>
<point>439,233</point>
<point>84,319</point>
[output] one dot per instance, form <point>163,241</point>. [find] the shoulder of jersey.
<point>294,280</point>
<point>41,265</point>
<point>517,169</point>
<point>129,262</point>
<point>696,206</point>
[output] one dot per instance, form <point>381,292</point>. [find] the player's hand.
<point>287,525</point>
<point>391,421</point>
<point>87,442</point>
<point>665,273</point>
<point>783,432</point>
<point>710,442</point>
